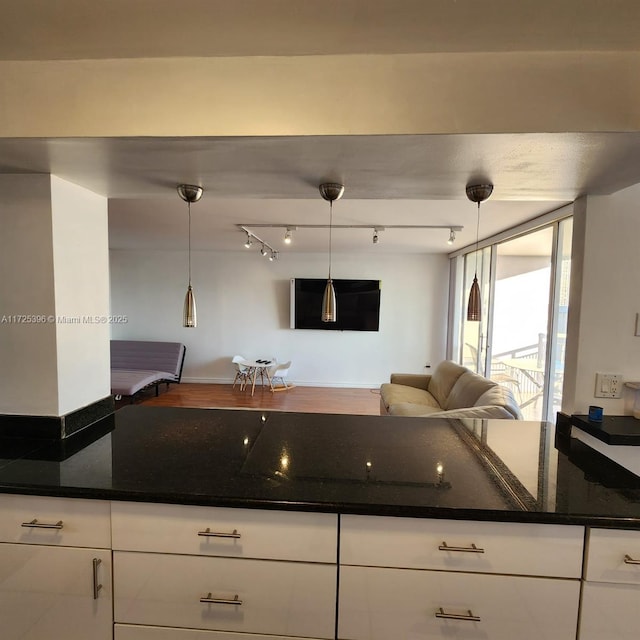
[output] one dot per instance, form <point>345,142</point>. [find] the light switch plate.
<point>608,385</point>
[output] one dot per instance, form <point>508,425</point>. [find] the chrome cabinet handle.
<point>209,600</point>
<point>42,525</point>
<point>469,617</point>
<point>96,586</point>
<point>629,560</point>
<point>472,549</point>
<point>207,533</point>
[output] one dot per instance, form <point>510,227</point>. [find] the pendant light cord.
<point>330,226</point>
<point>477,239</point>
<point>189,209</point>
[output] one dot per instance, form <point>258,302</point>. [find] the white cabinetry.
<point>611,593</point>
<point>452,579</point>
<point>55,569</point>
<point>225,570</point>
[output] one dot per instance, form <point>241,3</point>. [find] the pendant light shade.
<point>330,191</point>
<point>189,317</point>
<point>476,193</point>
<point>189,193</point>
<point>329,303</point>
<point>473,307</point>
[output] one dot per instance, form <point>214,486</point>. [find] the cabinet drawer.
<point>378,604</point>
<point>609,611</point>
<point>279,598</point>
<point>214,531</point>
<point>55,521</point>
<point>48,592</point>
<point>134,632</point>
<point>512,548</point>
<point>613,556</point>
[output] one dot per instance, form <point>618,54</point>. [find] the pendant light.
<point>189,193</point>
<point>330,191</point>
<point>476,193</point>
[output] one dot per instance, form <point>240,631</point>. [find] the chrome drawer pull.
<point>209,600</point>
<point>96,586</point>
<point>629,560</point>
<point>441,613</point>
<point>42,525</point>
<point>472,549</point>
<point>207,533</point>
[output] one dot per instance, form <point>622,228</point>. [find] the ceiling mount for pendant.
<point>479,192</point>
<point>331,191</point>
<point>190,192</point>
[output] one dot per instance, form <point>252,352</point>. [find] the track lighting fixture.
<point>330,191</point>
<point>189,193</point>
<point>265,248</point>
<point>375,228</point>
<point>476,193</point>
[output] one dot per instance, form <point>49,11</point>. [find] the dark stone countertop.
<point>503,470</point>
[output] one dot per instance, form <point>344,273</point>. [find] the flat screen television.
<point>357,304</point>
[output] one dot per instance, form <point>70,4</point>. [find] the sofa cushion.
<point>502,397</point>
<point>412,409</point>
<point>398,393</point>
<point>466,391</point>
<point>443,379</point>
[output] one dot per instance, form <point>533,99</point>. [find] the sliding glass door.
<point>521,318</point>
<point>519,341</point>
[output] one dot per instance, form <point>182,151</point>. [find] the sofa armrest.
<point>417,380</point>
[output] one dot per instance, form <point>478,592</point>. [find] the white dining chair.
<point>279,372</point>
<point>242,372</point>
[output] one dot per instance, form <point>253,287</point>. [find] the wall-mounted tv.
<point>357,304</point>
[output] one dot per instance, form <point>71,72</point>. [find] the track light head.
<point>287,236</point>
<point>452,236</point>
<point>248,242</point>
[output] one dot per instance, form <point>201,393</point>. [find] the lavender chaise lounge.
<point>139,364</point>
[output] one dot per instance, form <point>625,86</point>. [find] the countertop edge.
<point>438,513</point>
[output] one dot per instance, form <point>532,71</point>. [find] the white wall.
<point>28,377</point>
<point>81,267</point>
<point>604,298</point>
<point>243,308</point>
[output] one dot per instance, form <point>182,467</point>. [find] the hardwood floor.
<point>304,399</point>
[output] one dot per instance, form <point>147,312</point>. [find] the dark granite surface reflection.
<point>483,470</point>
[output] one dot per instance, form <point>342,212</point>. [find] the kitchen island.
<point>213,523</point>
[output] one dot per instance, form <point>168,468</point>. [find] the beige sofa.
<point>452,391</point>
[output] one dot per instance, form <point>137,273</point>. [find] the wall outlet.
<point>608,385</point>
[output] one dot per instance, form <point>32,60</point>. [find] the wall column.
<point>54,306</point>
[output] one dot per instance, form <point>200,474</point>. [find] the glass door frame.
<point>459,293</point>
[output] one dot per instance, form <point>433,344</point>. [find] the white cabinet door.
<point>609,612</point>
<point>458,545</point>
<point>139,632</point>
<point>613,556</point>
<point>48,592</point>
<point>225,594</point>
<point>68,522</point>
<point>379,604</point>
<point>218,531</point>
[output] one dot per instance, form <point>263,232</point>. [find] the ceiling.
<point>389,179</point>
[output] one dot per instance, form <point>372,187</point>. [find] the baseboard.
<point>297,383</point>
